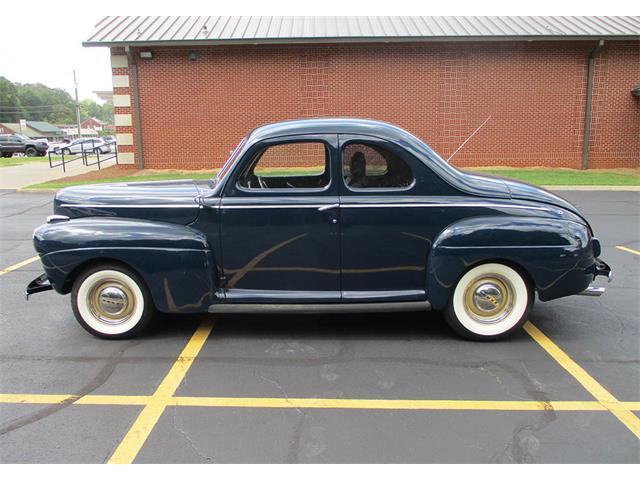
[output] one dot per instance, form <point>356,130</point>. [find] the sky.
<point>46,49</point>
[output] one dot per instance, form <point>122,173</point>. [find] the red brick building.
<point>558,91</point>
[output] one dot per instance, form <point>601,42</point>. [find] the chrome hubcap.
<point>111,302</point>
<point>489,299</point>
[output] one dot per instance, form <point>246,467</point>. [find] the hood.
<point>167,201</point>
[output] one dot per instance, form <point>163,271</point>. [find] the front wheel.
<point>111,301</point>
<point>30,152</point>
<point>489,302</point>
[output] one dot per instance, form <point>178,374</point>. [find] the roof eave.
<point>333,40</point>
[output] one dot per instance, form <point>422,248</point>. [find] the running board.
<point>304,308</point>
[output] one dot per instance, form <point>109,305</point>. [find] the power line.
<point>35,107</point>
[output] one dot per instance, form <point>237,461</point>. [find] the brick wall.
<point>193,113</point>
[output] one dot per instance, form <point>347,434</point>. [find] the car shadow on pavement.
<point>365,326</point>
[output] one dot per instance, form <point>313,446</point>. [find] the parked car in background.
<point>318,215</point>
<point>83,145</point>
<point>17,143</point>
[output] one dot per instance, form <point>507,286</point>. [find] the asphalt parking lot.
<point>358,388</point>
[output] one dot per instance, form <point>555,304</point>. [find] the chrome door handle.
<point>324,208</point>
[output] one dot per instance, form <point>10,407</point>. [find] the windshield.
<point>227,165</point>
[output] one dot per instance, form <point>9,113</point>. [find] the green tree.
<point>89,108</point>
<point>41,103</point>
<point>107,112</point>
<point>10,108</point>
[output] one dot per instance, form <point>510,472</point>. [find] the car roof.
<point>329,125</point>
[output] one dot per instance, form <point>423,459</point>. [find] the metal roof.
<point>156,30</point>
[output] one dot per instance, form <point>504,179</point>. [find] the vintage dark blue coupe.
<point>321,215</point>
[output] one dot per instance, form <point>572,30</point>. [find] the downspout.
<point>136,103</point>
<point>587,113</point>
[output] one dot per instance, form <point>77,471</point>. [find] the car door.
<point>16,143</point>
<point>280,223</point>
<point>385,239</point>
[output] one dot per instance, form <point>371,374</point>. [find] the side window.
<point>367,165</point>
<point>288,166</point>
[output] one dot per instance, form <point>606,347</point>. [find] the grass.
<point>567,176</point>
<point>56,184</point>
<point>15,161</point>
<point>536,176</point>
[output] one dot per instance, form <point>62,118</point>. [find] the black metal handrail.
<point>112,155</point>
<point>84,155</point>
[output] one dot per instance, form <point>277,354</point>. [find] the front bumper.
<point>37,285</point>
<point>601,269</point>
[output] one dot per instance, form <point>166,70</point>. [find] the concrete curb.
<point>595,188</point>
<point>568,188</point>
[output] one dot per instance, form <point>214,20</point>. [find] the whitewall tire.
<point>489,302</point>
<point>111,301</point>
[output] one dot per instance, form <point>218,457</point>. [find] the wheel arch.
<point>549,254</point>
<point>85,265</point>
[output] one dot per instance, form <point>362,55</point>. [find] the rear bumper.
<point>37,285</point>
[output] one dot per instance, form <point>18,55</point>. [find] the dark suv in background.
<point>17,143</point>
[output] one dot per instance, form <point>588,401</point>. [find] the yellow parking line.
<point>382,404</point>
<point>113,400</point>
<point>29,398</point>
<point>18,265</point>
<point>33,398</point>
<point>635,406</point>
<point>319,403</point>
<point>627,249</point>
<point>631,421</point>
<point>147,419</point>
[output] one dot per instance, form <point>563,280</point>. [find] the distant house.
<point>93,123</point>
<point>45,130</point>
<point>15,128</point>
<point>5,129</point>
<point>71,131</point>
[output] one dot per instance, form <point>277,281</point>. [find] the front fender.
<point>555,254</point>
<point>174,260</point>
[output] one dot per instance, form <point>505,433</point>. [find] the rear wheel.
<point>111,301</point>
<point>7,155</point>
<point>489,302</point>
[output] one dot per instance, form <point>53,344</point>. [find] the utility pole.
<point>75,85</point>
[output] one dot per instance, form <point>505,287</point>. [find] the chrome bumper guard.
<point>602,269</point>
<point>40,284</point>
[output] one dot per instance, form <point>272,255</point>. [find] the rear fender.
<point>555,255</point>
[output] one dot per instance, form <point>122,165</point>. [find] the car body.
<point>83,145</point>
<point>18,143</point>
<point>319,215</point>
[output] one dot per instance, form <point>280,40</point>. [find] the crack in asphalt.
<point>524,444</point>
<point>11,215</point>
<point>100,379</point>
<point>189,440</point>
